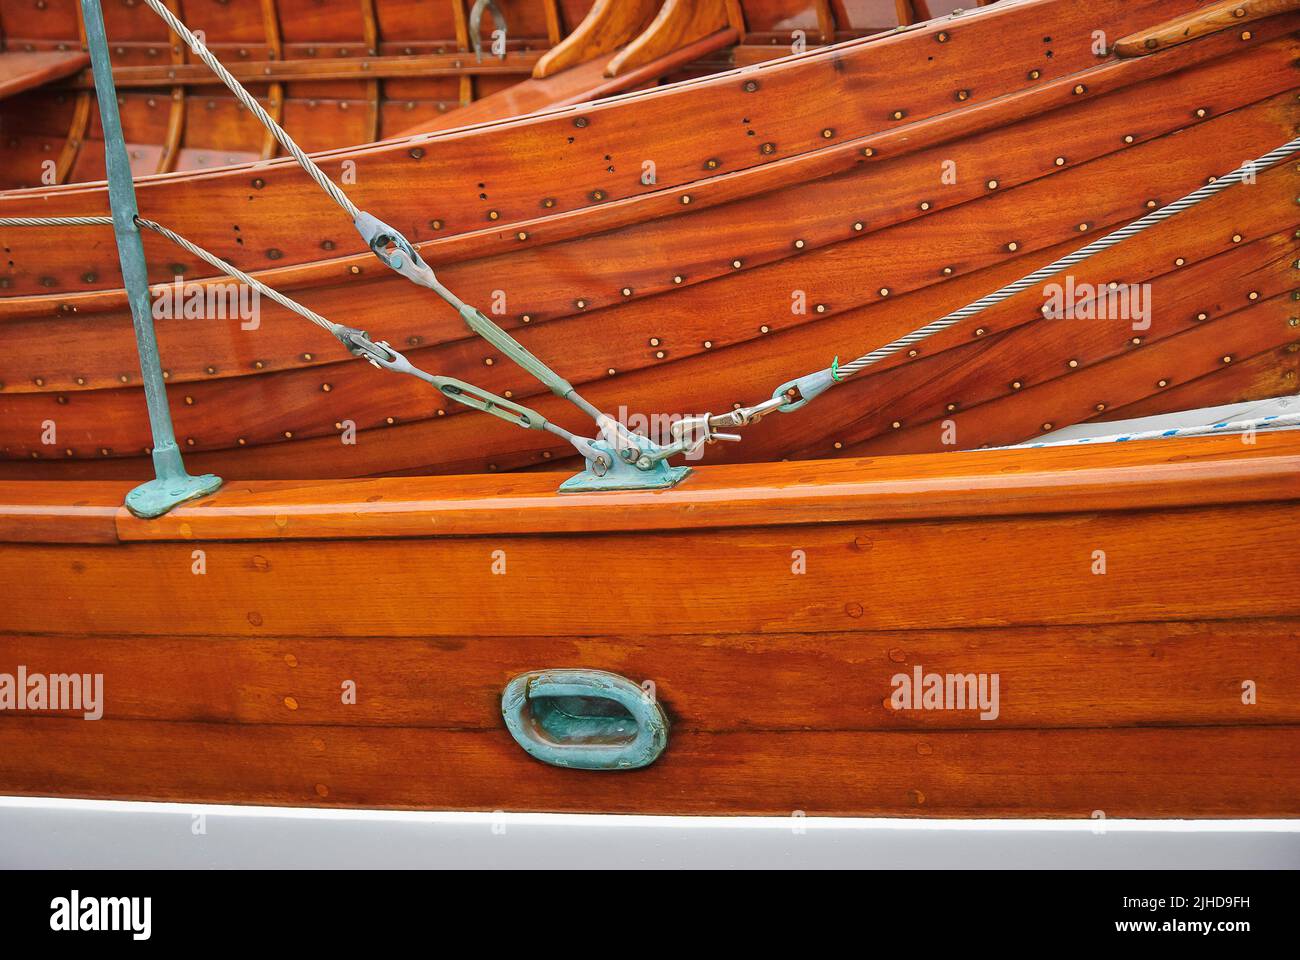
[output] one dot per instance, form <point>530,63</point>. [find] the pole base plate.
<point>156,497</point>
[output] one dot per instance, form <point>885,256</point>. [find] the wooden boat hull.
<point>739,267</point>
<point>771,606</point>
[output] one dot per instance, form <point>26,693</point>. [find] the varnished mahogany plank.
<point>21,71</point>
<point>1151,475</point>
<point>1194,563</point>
<point>1146,674</point>
<point>1209,19</point>
<point>79,513</point>
<point>1191,772</point>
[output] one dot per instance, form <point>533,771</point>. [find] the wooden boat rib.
<point>873,242</point>
<point>1120,692</point>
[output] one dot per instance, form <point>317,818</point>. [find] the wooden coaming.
<point>1120,692</point>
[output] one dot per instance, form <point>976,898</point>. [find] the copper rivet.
<point>736,264</point>
<point>828,133</point>
<point>1060,161</point>
<point>896,424</point>
<point>858,225</point>
<point>1035,74</point>
<point>1072,364</point>
<point>884,291</point>
<point>522,235</point>
<point>1013,246</point>
<point>925,204</point>
<point>1128,138</point>
<point>493,215</point>
<point>678,278</point>
<point>992,184</point>
<point>942,37</point>
<point>1162,383</point>
<point>1227,359</point>
<point>1179,262</point>
<point>798,244</point>
<point>1047,426</point>
<point>868,151</point>
<point>898,114</point>
<point>626,291</point>
<point>1080,88</point>
<point>686,198</point>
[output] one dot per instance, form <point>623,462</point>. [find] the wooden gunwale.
<point>1148,476</point>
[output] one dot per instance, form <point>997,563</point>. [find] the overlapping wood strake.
<point>815,183</point>
<point>1124,691</point>
<point>350,72</point>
